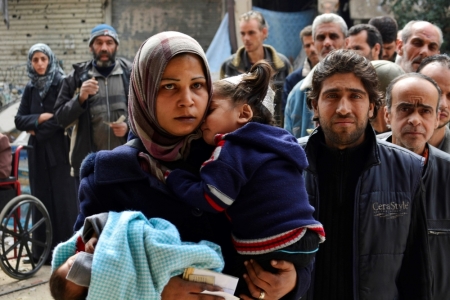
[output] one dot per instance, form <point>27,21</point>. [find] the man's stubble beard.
<point>344,138</point>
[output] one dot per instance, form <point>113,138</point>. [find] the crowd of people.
<point>325,182</point>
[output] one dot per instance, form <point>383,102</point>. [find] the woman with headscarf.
<point>48,160</point>
<point>170,91</point>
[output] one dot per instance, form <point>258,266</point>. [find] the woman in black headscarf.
<point>48,160</point>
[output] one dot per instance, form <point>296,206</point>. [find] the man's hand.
<point>178,288</point>
<point>119,129</point>
<point>275,286</point>
<point>88,88</point>
<point>44,117</point>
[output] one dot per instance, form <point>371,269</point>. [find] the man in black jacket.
<point>367,193</point>
<point>93,99</point>
<point>412,111</point>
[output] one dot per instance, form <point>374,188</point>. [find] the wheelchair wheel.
<point>22,250</point>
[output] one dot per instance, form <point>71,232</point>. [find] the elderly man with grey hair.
<point>329,32</point>
<point>438,68</point>
<point>420,39</point>
<point>412,110</point>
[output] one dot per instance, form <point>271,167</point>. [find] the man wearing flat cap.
<point>93,99</point>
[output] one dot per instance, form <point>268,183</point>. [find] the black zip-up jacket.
<point>436,181</point>
<point>89,129</point>
<point>391,258</point>
<point>436,178</point>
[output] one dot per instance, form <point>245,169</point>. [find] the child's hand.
<point>90,245</point>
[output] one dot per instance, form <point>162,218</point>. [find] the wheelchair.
<point>25,227</point>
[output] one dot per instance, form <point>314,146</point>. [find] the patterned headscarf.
<point>43,82</point>
<point>148,67</point>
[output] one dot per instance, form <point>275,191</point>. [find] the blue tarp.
<point>220,48</point>
<point>284,29</point>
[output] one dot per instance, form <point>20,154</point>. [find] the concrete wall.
<point>367,9</point>
<point>137,20</point>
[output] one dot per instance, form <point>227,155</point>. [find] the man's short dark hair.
<point>409,75</point>
<point>442,59</point>
<point>373,36</point>
<point>345,61</point>
<point>307,31</point>
<point>387,26</point>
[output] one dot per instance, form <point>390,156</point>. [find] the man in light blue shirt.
<point>329,32</point>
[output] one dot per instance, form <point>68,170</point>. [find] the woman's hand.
<point>178,288</point>
<point>274,286</point>
<point>44,117</point>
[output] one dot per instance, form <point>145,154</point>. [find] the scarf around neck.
<point>148,67</point>
<point>43,82</point>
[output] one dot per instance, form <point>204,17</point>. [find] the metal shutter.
<point>63,25</point>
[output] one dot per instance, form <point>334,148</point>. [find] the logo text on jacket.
<point>390,210</point>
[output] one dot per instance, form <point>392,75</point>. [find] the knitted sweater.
<point>340,170</point>
<point>255,174</point>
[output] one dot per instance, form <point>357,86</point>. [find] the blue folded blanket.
<point>135,257</point>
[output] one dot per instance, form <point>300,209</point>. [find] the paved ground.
<point>35,288</point>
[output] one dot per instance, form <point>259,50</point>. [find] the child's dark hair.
<point>251,90</point>
<point>59,290</point>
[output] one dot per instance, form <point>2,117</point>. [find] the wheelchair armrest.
<point>8,180</point>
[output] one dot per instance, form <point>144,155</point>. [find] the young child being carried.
<point>134,258</point>
<point>71,279</point>
<point>254,175</point>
